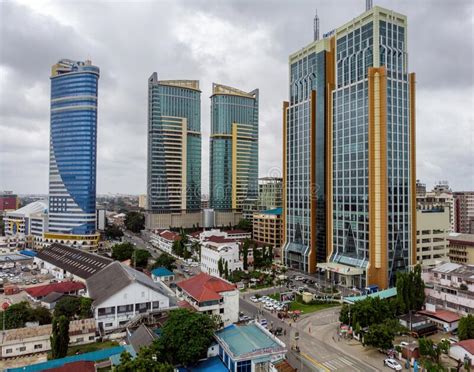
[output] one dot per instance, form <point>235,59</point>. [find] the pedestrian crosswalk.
<point>339,364</point>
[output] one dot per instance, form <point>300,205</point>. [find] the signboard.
<point>287,296</point>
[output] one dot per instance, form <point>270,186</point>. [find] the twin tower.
<point>174,151</point>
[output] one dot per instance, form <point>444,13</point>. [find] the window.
<point>38,346</point>
<point>80,339</point>
<point>221,311</point>
<point>8,351</point>
<point>91,338</point>
<point>22,348</point>
<point>108,324</point>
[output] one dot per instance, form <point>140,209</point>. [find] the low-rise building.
<point>162,274</point>
<point>217,248</point>
<point>30,340</point>
<point>236,234</point>
<point>211,295</point>
<point>39,292</point>
<point>10,244</point>
<point>249,347</point>
<point>64,262</point>
<point>461,248</point>
<point>445,320</point>
<point>121,293</point>
<point>450,286</point>
<point>163,240</point>
<point>463,351</point>
<point>267,229</point>
<point>8,201</point>
<point>432,229</point>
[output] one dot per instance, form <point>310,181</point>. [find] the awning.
<point>340,268</point>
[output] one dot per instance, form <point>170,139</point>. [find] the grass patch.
<point>304,307</point>
<point>81,349</point>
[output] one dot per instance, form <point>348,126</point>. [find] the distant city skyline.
<point>216,53</point>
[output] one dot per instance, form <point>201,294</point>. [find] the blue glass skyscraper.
<point>233,147</point>
<point>73,150</point>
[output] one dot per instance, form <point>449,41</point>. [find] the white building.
<point>217,248</point>
<point>121,293</point>
<point>463,350</point>
<point>10,244</point>
<point>440,196</point>
<point>450,286</point>
<point>202,236</point>
<point>432,229</point>
<point>28,224</point>
<point>163,240</point>
<point>30,340</point>
<point>211,295</point>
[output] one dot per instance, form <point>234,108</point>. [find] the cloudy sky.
<point>242,43</point>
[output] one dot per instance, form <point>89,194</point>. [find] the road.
<point>315,354</point>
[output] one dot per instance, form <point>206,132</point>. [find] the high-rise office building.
<point>349,153</point>
<point>233,147</point>
<point>73,152</point>
<point>174,146</point>
<point>464,212</point>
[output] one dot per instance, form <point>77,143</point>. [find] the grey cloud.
<point>242,43</point>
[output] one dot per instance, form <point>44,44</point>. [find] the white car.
<point>404,343</point>
<point>393,364</point>
<point>268,307</point>
<point>254,299</point>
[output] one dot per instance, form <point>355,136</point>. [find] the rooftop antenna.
<point>368,5</point>
<point>316,26</point>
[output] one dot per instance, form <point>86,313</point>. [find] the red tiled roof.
<point>185,305</point>
<point>80,366</point>
<point>219,239</point>
<point>204,287</point>
<point>467,345</point>
<point>236,231</point>
<point>62,287</point>
<point>443,315</point>
<point>169,235</point>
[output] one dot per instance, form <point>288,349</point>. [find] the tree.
<point>165,260</point>
<point>140,257</point>
<point>85,308</point>
<point>135,221</point>
<point>220,267</point>
<point>17,315</point>
<point>59,337</point>
<point>122,251</point>
<point>245,225</point>
<point>41,315</point>
<point>67,306</point>
<point>196,328</point>
<point>380,336</point>
<point>113,232</point>
<point>466,328</point>
<point>410,290</point>
<point>257,256</point>
<point>226,269</point>
<point>430,353</point>
<point>245,254</point>
<point>144,361</point>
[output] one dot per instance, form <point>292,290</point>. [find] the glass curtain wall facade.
<point>305,158</point>
<point>73,148</point>
<point>373,149</point>
<point>233,147</point>
<point>174,145</point>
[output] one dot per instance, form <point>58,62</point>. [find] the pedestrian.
<point>309,329</point>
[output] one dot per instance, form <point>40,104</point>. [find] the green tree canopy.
<point>59,337</point>
<point>466,328</point>
<point>140,257</point>
<point>135,221</point>
<point>113,232</point>
<point>245,225</point>
<point>74,307</point>
<point>380,336</point>
<point>18,314</point>
<point>122,251</point>
<point>143,362</point>
<point>165,260</point>
<point>196,328</point>
<point>410,290</point>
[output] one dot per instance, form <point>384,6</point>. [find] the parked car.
<point>263,323</point>
<point>393,364</point>
<point>254,299</point>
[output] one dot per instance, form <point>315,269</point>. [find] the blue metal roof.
<point>28,253</point>
<point>387,293</point>
<point>161,271</point>
<point>92,356</point>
